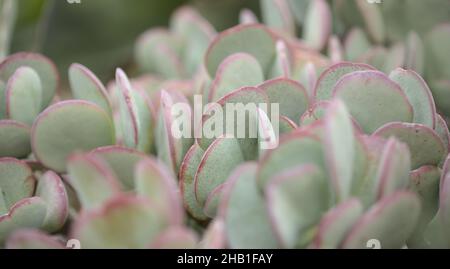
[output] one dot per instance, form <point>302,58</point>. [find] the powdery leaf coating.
<point>32,239</point>
<point>290,95</point>
<point>103,227</point>
<point>51,189</point>
<point>221,158</point>
<point>398,212</point>
<point>336,223</point>
<point>317,28</point>
<point>339,148</point>
<point>24,95</point>
<point>16,181</point>
<point>329,78</point>
<point>276,14</point>
<point>247,223</point>
<point>236,71</point>
<point>296,199</point>
<point>69,126</point>
<point>86,86</point>
<point>418,94</point>
<point>92,180</point>
<point>14,139</point>
<point>26,213</point>
<point>424,144</point>
<point>373,99</point>
<point>186,176</point>
<point>253,39</point>
<point>45,68</point>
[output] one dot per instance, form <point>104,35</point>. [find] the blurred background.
<point>101,33</point>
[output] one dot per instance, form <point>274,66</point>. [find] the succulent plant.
<point>361,152</point>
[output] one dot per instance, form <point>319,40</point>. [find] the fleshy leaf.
<point>221,158</point>
<point>69,126</point>
<point>16,181</point>
<point>135,116</point>
<point>186,176</point>
<point>14,139</point>
<point>214,235</point>
<point>415,53</point>
<point>122,161</point>
<point>253,39</point>
<point>295,149</point>
<point>339,148</point>
<point>296,199</point>
<point>356,44</point>
<point>51,189</point>
<point>418,94</point>
<point>317,28</point>
<point>212,202</point>
<point>236,71</point>
<point>373,99</point>
<point>425,183</point>
<point>394,167</point>
<point>32,239</point>
<point>24,95</point>
<point>291,96</point>
<point>276,14</point>
<point>155,182</point>
<point>373,20</point>
<point>175,238</point>
<point>395,58</point>
<point>92,180</point>
<point>398,212</point>
<point>442,130</point>
<point>247,223</point>
<point>336,223</point>
<point>45,68</point>
<point>329,78</point>
<point>86,86</point>
<point>26,213</point>
<point>424,144</point>
<point>103,227</point>
<point>441,94</point>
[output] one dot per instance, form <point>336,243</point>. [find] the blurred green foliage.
<point>101,33</point>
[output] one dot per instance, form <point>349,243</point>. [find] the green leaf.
<point>418,94</point>
<point>291,96</point>
<point>69,126</point>
<point>425,183</point>
<point>155,182</point>
<point>373,99</point>
<point>23,95</point>
<point>135,116</point>
<point>221,158</point>
<point>186,176</point>
<point>277,15</point>
<point>253,39</point>
<point>398,212</point>
<point>336,223</point>
<point>424,144</point>
<point>86,86</point>
<point>356,44</point>
<point>329,78</point>
<point>92,180</point>
<point>373,20</point>
<point>16,181</point>
<point>175,238</point>
<point>104,227</point>
<point>393,171</point>
<point>212,202</point>
<point>247,223</point>
<point>51,189</point>
<point>296,199</point>
<point>339,146</point>
<point>235,71</point>
<point>32,239</point>
<point>415,53</point>
<point>26,213</point>
<point>295,149</point>
<point>46,69</point>
<point>436,42</point>
<point>442,130</point>
<point>317,28</point>
<point>14,139</point>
